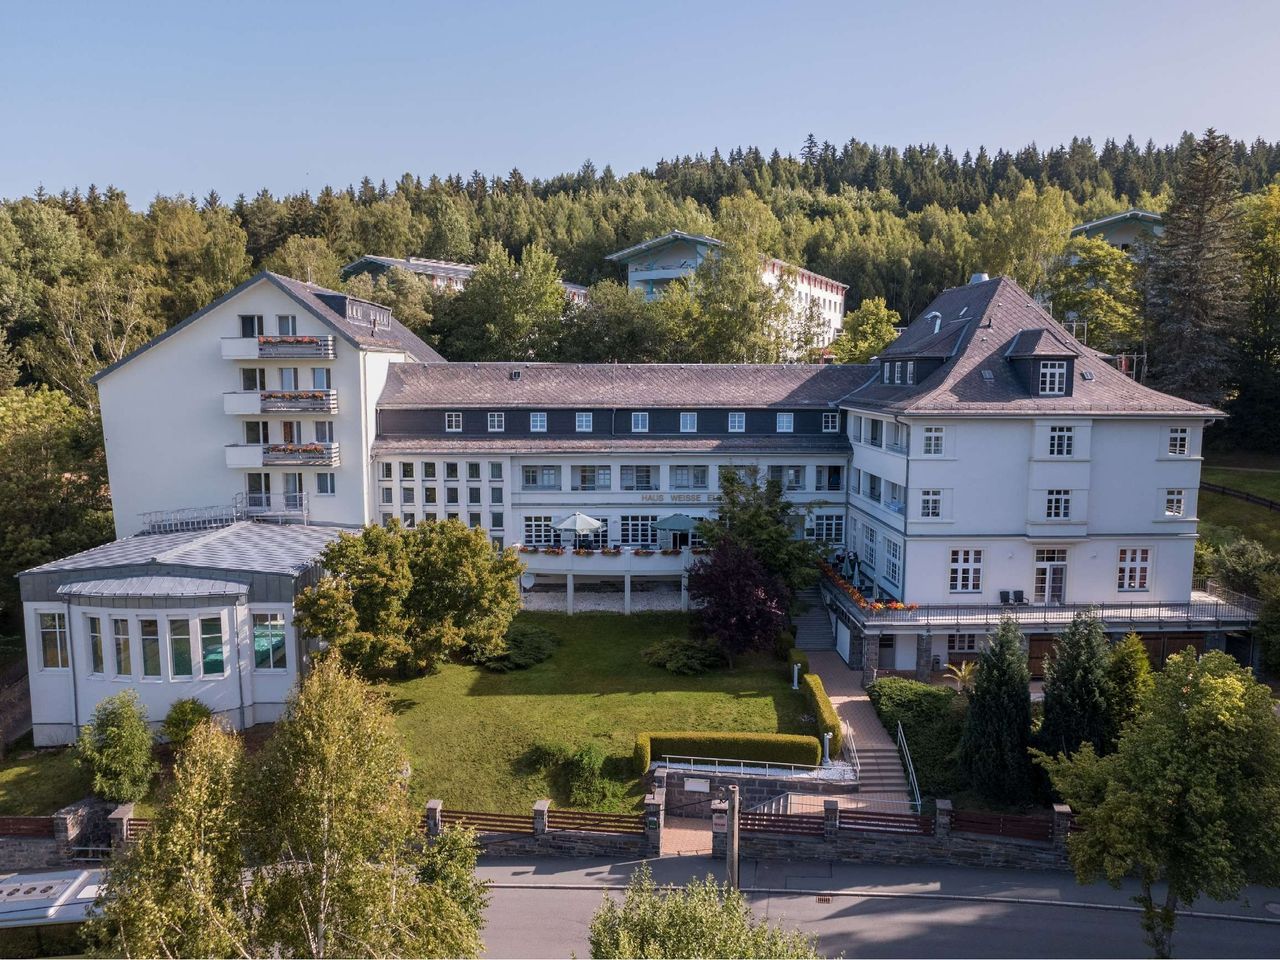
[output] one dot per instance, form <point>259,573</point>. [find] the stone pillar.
<point>118,825</point>
<point>658,779</point>
<point>626,593</point>
<point>942,822</point>
<point>568,593</point>
<point>434,808</point>
<point>1062,816</point>
<point>655,805</point>
<point>924,656</point>
<point>870,657</point>
<point>71,822</point>
<point>719,828</point>
<point>540,810</point>
<point>830,819</point>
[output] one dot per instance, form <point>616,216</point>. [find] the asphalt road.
<point>543,909</point>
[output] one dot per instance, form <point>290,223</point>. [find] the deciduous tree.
<point>866,331</point>
<point>309,259</point>
<point>740,605</point>
<point>1095,285</point>
<point>115,745</point>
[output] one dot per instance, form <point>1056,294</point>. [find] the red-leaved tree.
<point>740,605</point>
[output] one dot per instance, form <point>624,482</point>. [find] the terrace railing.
<point>755,768</point>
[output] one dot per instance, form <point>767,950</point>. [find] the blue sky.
<point>184,97</point>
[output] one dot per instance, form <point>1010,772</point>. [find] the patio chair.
<point>1019,598</point>
<point>1005,598</point>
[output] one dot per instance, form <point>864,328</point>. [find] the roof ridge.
<point>207,537</point>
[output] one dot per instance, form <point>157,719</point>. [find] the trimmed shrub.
<point>824,711</point>
<point>525,645</point>
<point>115,745</point>
<point>586,783</point>
<point>686,656</point>
<point>932,719</point>
<point>770,747</point>
<point>183,717</point>
<point>800,657</point>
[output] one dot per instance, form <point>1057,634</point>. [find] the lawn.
<point>1259,482</point>
<point>36,783</point>
<point>468,731</point>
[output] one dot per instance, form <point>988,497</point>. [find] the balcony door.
<point>293,491</point>
<point>1051,576</point>
<point>258,488</point>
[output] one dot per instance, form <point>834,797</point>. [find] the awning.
<point>151,587</point>
<point>679,522</point>
<point>580,523</point>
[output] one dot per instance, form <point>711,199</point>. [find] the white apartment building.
<point>655,263</point>
<point>443,274</point>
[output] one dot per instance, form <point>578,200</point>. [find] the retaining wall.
<point>752,791</point>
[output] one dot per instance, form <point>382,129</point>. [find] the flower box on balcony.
<point>611,552</point>
<point>266,340</point>
<point>671,551</point>
<point>583,552</point>
<point>314,448</point>
<point>644,553</point>
<point>699,551</point>
<point>524,549</point>
<point>553,551</point>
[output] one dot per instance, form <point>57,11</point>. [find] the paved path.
<point>542,908</point>
<point>881,775</point>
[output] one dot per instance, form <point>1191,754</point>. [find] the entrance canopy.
<point>677,522</point>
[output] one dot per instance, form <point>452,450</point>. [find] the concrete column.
<point>924,656</point>
<point>942,822</point>
<point>568,593</point>
<point>1062,816</point>
<point>118,824</point>
<point>434,808</point>
<point>830,819</point>
<point>655,805</point>
<point>540,810</point>
<point>684,591</point>
<point>658,779</point>
<point>626,593</point>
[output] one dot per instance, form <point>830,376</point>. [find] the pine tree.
<point>997,729</point>
<point>1077,693</point>
<point>1195,298</point>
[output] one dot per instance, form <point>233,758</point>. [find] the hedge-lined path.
<point>881,776</point>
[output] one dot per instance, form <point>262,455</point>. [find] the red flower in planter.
<point>525,549</point>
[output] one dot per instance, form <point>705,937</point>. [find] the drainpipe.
<point>75,681</point>
<point>239,671</point>
<point>906,507</point>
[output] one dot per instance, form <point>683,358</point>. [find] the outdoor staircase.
<point>881,772</point>
<point>813,625</point>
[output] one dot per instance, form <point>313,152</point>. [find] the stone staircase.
<point>881,772</point>
<point>813,625</point>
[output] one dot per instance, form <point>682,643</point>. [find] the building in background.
<point>443,274</point>
<point>1125,230</point>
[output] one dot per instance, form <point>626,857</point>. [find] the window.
<point>288,378</point>
<point>407,495</point>
<point>1177,441</point>
<point>874,486</point>
<point>250,325</point>
<point>473,496</point>
<point>473,470</point>
<point>385,470</point>
<point>287,325</point>
<point>637,529</point>
<point>1174,503</point>
<point>897,372</point>
<point>590,478</point>
<point>1061,441</point>
<point>388,495</point>
<point>211,663</point>
<point>869,541</point>
<point>831,421</point>
<point>892,561</point>
<point>54,654</point>
<point>429,495</point>
<point>325,484</point>
<point>428,470</point>
<point>785,422</point>
<point>966,571</point>
<point>885,369</point>
<point>120,641</point>
<point>495,495</point>
<point>1135,563</point>
<point>689,477</point>
<point>737,422</point>
<point>253,378</point>
<point>1053,378</point>
<point>538,422</point>
<point>911,371</point>
<point>180,648</point>
<point>453,422</point>
<point>962,643</point>
<point>255,431</point>
<point>406,470</point>
<point>1057,505</point>
<point>451,495</point>
<point>149,632</point>
<point>538,531</point>
<point>1050,584</point>
<point>640,422</point>
<point>324,431</point>
<point>931,504</point>
<point>826,526</point>
<point>291,431</point>
<point>473,519</point>
<point>96,659</point>
<point>497,422</point>
<point>688,423</point>
<point>451,470</point>
<point>321,378</point>
<point>791,478</point>
<point>933,437</point>
<point>582,421</point>
<point>495,470</point>
<point>828,477</point>
<point>268,641</point>
<point>495,520</point>
<point>639,477</point>
<point>541,478</point>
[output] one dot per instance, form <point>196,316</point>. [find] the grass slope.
<point>35,783</point>
<point>468,730</point>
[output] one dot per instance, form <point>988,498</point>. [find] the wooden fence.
<point>886,822</point>
<point>800,824</point>
<point>134,828</point>
<point>486,822</point>
<point>595,822</point>
<point>1003,825</point>
<point>26,826</point>
<point>1244,495</point>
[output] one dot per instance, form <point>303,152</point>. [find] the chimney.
<point>979,278</point>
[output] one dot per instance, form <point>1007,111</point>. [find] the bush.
<point>824,711</point>
<point>545,754</point>
<point>586,783</point>
<point>771,747</point>
<point>686,656</point>
<point>1243,564</point>
<point>932,719</point>
<point>785,643</point>
<point>183,717</point>
<point>116,747</point>
<point>525,645</point>
<point>800,657</point>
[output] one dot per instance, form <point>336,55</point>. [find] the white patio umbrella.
<point>580,523</point>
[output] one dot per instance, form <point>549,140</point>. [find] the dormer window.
<point>897,372</point>
<point>1053,378</point>
<point>911,371</point>
<point>884,368</point>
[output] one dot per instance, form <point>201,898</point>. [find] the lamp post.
<point>826,749</point>
<point>795,676</point>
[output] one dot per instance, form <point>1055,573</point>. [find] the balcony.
<point>255,455</point>
<point>277,348</point>
<point>299,401</point>
<point>273,506</point>
<point>615,560</point>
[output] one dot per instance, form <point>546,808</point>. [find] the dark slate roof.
<point>655,242</point>
<point>650,385</point>
<point>745,444</point>
<point>243,546</point>
<point>978,325</point>
<point>395,337</point>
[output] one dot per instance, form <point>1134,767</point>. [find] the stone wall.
<point>29,853</point>
<point>74,827</point>
<point>752,791</point>
<point>544,842</point>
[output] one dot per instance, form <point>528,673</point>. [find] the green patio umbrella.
<point>677,522</point>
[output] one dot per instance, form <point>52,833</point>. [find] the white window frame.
<point>637,529</point>
<point>1179,441</point>
<point>326,478</point>
<point>931,503</point>
<point>737,421</point>
<point>639,421</point>
<point>1053,378</point>
<point>539,531</point>
<point>538,421</point>
<point>1062,441</point>
<point>688,421</point>
<point>933,442</point>
<point>453,421</point>
<point>831,421</point>
<point>583,421</point>
<point>828,527</point>
<point>1057,504</point>
<point>497,421</point>
<point>893,560</point>
<point>272,617</point>
<point>785,423</point>
<point>870,539</point>
<point>911,372</point>
<point>964,572</point>
<point>1175,502</point>
<point>1133,570</point>
<point>60,637</point>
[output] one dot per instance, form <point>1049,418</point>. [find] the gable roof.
<point>656,242</point>
<point>1142,216</point>
<point>420,265</point>
<point>977,330</point>
<point>647,385</point>
<point>319,302</point>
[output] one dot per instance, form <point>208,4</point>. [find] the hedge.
<point>824,711</point>
<point>770,747</point>
<point>800,657</point>
<point>932,719</point>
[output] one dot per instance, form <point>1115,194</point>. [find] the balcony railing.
<point>278,347</point>
<point>300,454</point>
<point>299,401</point>
<point>284,506</point>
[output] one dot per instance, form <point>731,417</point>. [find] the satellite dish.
<point>527,580</point>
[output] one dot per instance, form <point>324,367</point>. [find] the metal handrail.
<point>747,767</point>
<point>850,749</point>
<point>911,768</point>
